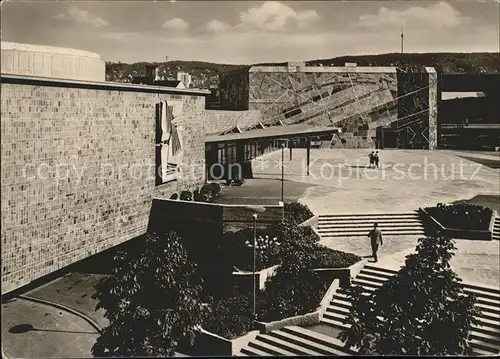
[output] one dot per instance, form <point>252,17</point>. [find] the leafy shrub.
<point>423,310</point>
<point>152,300</point>
<point>297,212</point>
<point>230,317</point>
<point>293,290</point>
<point>237,249</point>
<point>461,216</point>
<point>325,257</point>
<point>186,196</point>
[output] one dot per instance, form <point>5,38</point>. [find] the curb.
<point>65,308</point>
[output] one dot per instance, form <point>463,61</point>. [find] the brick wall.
<point>106,134</point>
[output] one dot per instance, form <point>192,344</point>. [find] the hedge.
<point>461,216</point>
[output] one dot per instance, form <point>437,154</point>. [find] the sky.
<point>246,32</point>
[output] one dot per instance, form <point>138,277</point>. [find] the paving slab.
<point>56,333</point>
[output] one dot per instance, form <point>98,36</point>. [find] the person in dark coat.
<point>371,156</point>
<point>376,159</point>
<point>375,236</point>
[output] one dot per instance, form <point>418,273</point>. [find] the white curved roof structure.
<point>51,62</point>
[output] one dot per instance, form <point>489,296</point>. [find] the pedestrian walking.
<point>375,236</point>
<point>371,156</point>
<point>376,159</point>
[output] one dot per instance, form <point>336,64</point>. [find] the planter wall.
<point>343,275</point>
<point>299,320</point>
<point>303,320</point>
<point>436,228</point>
<point>220,218</point>
<point>311,222</point>
<point>243,281</point>
<point>210,344</point>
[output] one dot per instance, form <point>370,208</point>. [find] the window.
<point>168,142</point>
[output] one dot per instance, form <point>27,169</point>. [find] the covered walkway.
<point>234,151</point>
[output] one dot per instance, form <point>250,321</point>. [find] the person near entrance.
<point>375,236</point>
<point>371,156</point>
<point>376,159</point>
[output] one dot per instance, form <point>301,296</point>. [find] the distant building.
<point>185,78</point>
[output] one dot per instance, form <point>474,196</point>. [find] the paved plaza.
<point>407,179</point>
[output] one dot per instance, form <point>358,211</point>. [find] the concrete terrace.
<point>407,179</point>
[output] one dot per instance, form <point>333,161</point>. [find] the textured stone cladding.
<point>221,120</point>
<point>108,136</point>
<point>433,108</point>
<point>357,102</point>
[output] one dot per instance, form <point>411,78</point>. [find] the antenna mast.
<point>402,39</point>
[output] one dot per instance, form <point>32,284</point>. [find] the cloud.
<point>176,24</point>
<point>274,16</point>
<point>440,14</point>
<point>217,26</point>
<point>82,17</point>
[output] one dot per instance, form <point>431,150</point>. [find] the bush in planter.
<point>152,300</point>
<point>294,290</point>
<point>423,310</point>
<point>324,257</point>
<point>230,317</point>
<point>297,212</point>
<point>186,196</point>
<point>462,216</point>
<point>288,231</point>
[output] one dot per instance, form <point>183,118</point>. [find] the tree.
<point>423,310</point>
<point>152,300</point>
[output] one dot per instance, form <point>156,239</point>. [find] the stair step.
<point>361,231</point>
<point>478,351</point>
<point>271,349</point>
<point>368,227</point>
<point>489,323</point>
<point>485,291</point>
<point>369,277</point>
<point>478,344</point>
<point>247,351</point>
<point>363,235</point>
<point>376,273</point>
<point>369,222</point>
<point>366,284</point>
<point>344,303</point>
<point>487,301</point>
<point>490,309</point>
<point>381,269</point>
<point>485,329</point>
<point>370,215</point>
<point>338,324</point>
<point>305,343</point>
<point>337,309</point>
<point>319,338</point>
<point>485,340</point>
<point>291,347</point>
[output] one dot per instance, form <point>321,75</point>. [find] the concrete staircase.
<point>295,341</point>
<point>358,225</point>
<point>496,229</point>
<point>484,338</point>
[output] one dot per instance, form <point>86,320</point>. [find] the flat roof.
<point>118,86</point>
<point>48,49</point>
<point>273,132</point>
<point>319,69</point>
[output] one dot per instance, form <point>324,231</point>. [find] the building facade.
<point>374,106</point>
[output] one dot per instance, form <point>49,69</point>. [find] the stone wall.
<point>78,169</point>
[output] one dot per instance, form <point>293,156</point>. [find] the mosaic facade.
<point>359,100</point>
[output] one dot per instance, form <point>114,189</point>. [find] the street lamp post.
<point>282,171</point>
<point>254,216</point>
<point>255,210</point>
